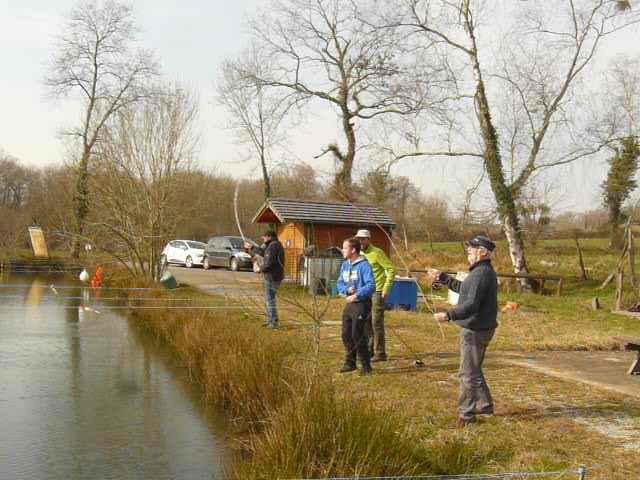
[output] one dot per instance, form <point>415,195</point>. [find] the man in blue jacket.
<point>357,284</point>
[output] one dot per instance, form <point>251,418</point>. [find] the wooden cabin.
<point>301,224</point>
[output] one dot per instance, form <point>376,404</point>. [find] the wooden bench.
<point>538,280</point>
<point>631,345</point>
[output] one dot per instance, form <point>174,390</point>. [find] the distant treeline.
<point>44,196</point>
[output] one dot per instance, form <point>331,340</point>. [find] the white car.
<point>183,252</point>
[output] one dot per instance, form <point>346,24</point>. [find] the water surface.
<point>85,395</point>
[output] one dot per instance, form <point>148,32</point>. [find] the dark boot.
<point>347,367</point>
<point>464,422</point>
<point>366,370</point>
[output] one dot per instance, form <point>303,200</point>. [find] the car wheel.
<point>188,262</point>
<point>234,265</point>
<point>205,263</point>
<point>256,267</point>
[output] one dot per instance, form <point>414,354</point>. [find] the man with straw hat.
<point>384,273</point>
<point>476,313</point>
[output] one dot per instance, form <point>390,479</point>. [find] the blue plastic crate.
<point>404,295</point>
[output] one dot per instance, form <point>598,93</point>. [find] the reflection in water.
<point>85,395</point>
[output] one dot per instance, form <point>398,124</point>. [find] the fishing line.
<point>128,307</point>
<point>60,297</point>
<point>124,289</point>
<point>69,287</point>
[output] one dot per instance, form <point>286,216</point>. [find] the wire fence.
<point>580,474</point>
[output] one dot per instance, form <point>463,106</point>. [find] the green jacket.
<point>383,270</point>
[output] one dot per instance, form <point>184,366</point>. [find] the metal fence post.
<point>582,473</point>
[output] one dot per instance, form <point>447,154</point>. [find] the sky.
<point>191,38</point>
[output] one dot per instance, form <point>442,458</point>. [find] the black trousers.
<point>355,319</point>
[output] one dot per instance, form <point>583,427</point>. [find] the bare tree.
<point>535,205</point>
<point>145,162</point>
<point>328,51</point>
<point>95,61</point>
<point>256,113</point>
<point>14,181</point>
<point>544,55</point>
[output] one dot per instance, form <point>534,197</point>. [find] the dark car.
<point>227,251</point>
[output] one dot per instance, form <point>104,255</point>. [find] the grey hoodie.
<point>477,307</point>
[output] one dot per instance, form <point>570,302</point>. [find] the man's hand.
<point>385,297</point>
<point>352,298</point>
<point>433,274</point>
<point>441,317</point>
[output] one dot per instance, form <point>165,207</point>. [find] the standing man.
<point>357,284</point>
<point>273,271</point>
<point>384,273</point>
<point>476,313</point>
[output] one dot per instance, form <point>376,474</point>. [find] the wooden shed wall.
<point>291,235</point>
<point>326,236</point>
<point>295,237</point>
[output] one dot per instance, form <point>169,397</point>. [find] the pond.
<point>86,395</point>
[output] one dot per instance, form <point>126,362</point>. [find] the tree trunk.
<point>516,246</point>
<point>81,200</point>
<point>344,179</point>
<point>616,240</point>
<point>265,177</point>
<point>504,196</point>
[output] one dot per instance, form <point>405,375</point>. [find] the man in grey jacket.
<point>476,313</point>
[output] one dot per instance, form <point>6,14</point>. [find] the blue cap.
<point>482,241</point>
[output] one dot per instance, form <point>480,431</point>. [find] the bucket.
<point>168,280</point>
<point>452,297</point>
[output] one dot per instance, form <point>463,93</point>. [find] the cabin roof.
<point>339,213</point>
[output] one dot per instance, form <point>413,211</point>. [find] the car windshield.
<point>238,243</point>
<point>199,245</point>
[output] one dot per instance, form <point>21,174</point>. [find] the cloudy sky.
<point>191,38</point>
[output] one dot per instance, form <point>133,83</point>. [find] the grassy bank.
<point>289,419</point>
<point>296,417</point>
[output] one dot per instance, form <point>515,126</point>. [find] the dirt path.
<point>220,281</point>
<point>607,370</point>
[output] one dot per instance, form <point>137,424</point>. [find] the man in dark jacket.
<point>476,313</point>
<point>273,271</point>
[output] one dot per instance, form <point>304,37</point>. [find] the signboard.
<point>38,242</point>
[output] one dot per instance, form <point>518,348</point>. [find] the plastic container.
<point>404,295</point>
<point>452,297</point>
